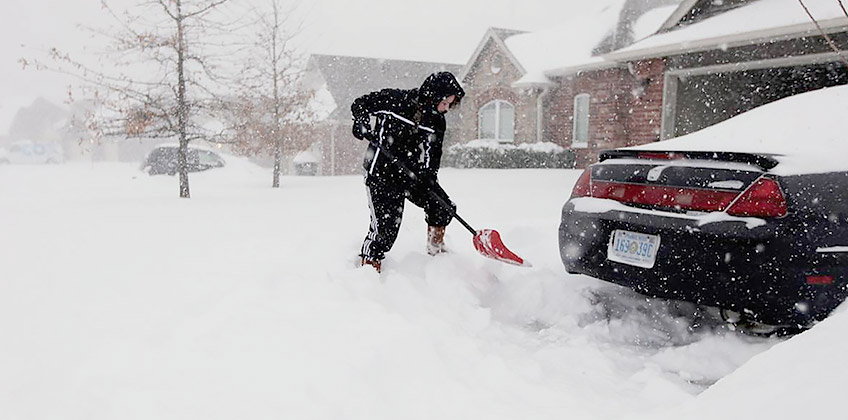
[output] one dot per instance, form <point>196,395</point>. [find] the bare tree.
<point>824,34</point>
<point>275,113</point>
<point>163,59</point>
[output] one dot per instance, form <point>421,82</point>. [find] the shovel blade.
<point>488,242</point>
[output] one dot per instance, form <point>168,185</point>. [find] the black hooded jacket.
<point>409,126</point>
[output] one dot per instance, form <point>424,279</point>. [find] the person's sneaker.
<point>436,240</point>
<point>373,263</point>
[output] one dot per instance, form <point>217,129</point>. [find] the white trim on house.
<point>669,106</point>
<point>574,121</point>
<point>799,60</point>
<point>527,83</point>
<point>780,33</point>
<point>672,79</point>
<point>490,35</point>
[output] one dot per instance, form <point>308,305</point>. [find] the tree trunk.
<point>182,106</point>
<point>278,161</point>
<point>275,64</point>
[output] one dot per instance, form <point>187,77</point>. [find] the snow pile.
<point>801,377</point>
<point>119,300</point>
<point>542,147</point>
<point>806,131</point>
<point>487,153</point>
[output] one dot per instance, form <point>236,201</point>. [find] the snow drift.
<point>806,133</point>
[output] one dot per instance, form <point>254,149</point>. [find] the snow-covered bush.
<point>491,154</point>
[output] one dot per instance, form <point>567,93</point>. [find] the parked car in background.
<point>28,152</point>
<point>163,160</point>
<point>749,216</point>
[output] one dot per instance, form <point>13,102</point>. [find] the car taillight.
<point>762,199</point>
<point>819,279</point>
<point>660,155</point>
<point>583,187</point>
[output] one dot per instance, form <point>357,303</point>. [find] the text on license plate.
<point>633,248</point>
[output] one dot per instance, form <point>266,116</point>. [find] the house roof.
<point>757,21</point>
<point>691,11</point>
<point>577,43</point>
<point>568,44</point>
<point>347,78</point>
<point>496,36</point>
<point>684,8</point>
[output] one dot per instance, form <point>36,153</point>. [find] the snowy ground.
<point>120,301</point>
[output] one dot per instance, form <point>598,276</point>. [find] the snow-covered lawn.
<point>120,301</point>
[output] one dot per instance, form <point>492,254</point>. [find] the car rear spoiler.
<point>763,161</point>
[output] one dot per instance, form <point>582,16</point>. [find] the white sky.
<point>432,30</point>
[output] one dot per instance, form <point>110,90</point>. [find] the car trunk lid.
<point>736,183</point>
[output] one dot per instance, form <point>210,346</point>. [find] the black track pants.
<point>386,205</point>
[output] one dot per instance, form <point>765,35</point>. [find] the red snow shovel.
<point>487,241</point>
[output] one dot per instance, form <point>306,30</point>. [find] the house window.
<point>581,121</point>
<point>497,121</point>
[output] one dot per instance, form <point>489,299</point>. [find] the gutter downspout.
<point>540,113</point>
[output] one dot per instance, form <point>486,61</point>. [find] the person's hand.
<point>428,177</point>
<point>362,130</point>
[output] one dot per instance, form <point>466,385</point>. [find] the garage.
<point>706,96</point>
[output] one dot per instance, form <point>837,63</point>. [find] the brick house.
<point>554,86</point>
<point>722,59</point>
<point>591,88</point>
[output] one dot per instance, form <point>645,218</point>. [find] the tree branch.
<point>204,9</point>
<point>824,34</point>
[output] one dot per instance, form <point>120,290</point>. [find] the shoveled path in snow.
<point>119,300</point>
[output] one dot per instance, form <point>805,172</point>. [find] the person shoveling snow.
<point>402,163</point>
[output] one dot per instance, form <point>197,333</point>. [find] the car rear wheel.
<point>745,324</point>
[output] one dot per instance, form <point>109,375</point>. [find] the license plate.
<point>633,248</point>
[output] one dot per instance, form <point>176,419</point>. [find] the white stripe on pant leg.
<point>374,162</point>
<point>372,235</point>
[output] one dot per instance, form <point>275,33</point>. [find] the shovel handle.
<point>411,174</point>
<point>448,207</point>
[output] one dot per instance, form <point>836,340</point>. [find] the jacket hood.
<point>439,86</point>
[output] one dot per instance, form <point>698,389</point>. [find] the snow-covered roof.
<point>566,45</point>
<point>649,23</point>
<point>574,45</point>
<point>806,132</point>
<point>306,156</point>
<point>322,104</point>
<point>757,21</point>
<point>346,78</point>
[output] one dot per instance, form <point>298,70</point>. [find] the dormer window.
<point>497,64</point>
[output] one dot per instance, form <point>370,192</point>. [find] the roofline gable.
<point>493,36</point>
<point>678,14</point>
